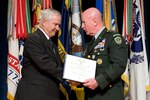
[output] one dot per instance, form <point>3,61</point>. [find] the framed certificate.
<point>78,69</point>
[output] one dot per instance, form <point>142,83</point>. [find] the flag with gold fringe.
<point>109,15</point>
<point>139,79</point>
<point>16,36</point>
<point>64,38</point>
<point>13,54</point>
<point>76,39</point>
<point>64,33</point>
<point>137,83</point>
<point>70,33</point>
<point>127,34</point>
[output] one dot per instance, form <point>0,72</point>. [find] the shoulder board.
<point>113,33</point>
<point>116,34</point>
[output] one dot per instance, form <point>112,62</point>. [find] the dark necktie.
<point>52,45</point>
<point>92,41</point>
<point>90,45</point>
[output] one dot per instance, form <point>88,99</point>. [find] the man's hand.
<point>90,83</point>
<point>74,83</point>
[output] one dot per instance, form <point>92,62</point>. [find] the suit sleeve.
<point>117,53</point>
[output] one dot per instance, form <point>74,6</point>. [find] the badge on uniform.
<point>118,40</point>
<point>99,61</point>
<point>93,56</point>
<point>101,45</point>
<point>95,50</point>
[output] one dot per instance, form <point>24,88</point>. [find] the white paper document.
<point>78,69</point>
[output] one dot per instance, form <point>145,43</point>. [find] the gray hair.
<point>48,14</point>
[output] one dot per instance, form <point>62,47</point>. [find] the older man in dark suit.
<point>42,69</point>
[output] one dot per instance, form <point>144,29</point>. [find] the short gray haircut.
<point>48,14</point>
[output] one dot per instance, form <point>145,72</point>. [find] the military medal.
<point>101,49</point>
<point>89,56</point>
<point>99,61</point>
<point>93,56</point>
<point>95,50</point>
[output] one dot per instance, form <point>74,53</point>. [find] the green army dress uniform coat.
<point>110,52</point>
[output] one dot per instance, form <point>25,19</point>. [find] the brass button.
<point>99,61</point>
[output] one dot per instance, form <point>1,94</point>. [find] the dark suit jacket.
<point>41,70</point>
<point>110,52</point>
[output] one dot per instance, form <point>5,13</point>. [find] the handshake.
<point>74,83</point>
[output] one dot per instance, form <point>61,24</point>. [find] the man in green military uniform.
<point>110,52</point>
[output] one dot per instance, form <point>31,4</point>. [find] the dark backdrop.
<point>3,48</point>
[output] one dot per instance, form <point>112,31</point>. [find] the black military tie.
<point>92,41</point>
<point>90,45</point>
